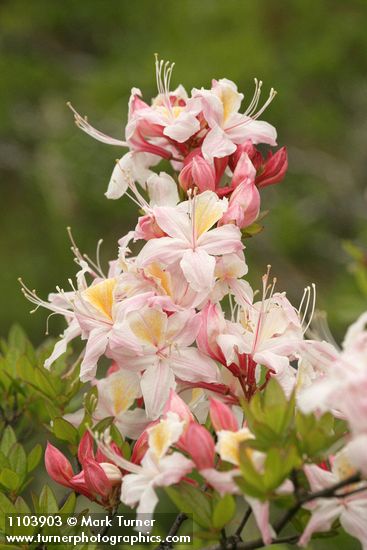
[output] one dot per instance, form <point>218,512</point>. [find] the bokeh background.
<point>314,52</point>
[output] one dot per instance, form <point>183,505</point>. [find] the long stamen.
<point>312,307</point>
<point>163,82</point>
<point>138,199</point>
<point>255,98</point>
<point>83,124</point>
<point>251,116</point>
<point>309,296</point>
<point>104,443</point>
<point>97,263</point>
<point>32,296</point>
<point>265,280</point>
<point>80,258</point>
<point>321,330</point>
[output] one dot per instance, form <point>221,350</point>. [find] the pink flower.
<point>199,444</point>
<point>244,206</point>
<point>272,169</point>
<point>157,344</point>
<point>350,510</point>
<point>98,477</point>
<point>222,417</point>
<point>197,172</point>
<point>158,468</point>
<point>341,384</point>
<point>228,127</point>
<point>191,239</point>
<point>244,202</point>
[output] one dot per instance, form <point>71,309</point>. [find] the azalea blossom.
<point>350,510</point>
<point>266,333</point>
<point>158,345</point>
<point>192,240</point>
<point>99,477</point>
<point>342,382</point>
<point>228,127</point>
<point>157,468</point>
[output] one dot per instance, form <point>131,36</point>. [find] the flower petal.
<point>156,383</point>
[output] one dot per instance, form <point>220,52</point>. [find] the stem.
<point>243,522</point>
<point>329,492</point>
<point>111,515</point>
<point>180,518</point>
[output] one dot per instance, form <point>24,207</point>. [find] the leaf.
<point>252,478</point>
<point>6,506</point>
<point>4,462</point>
<point>69,505</point>
<point>191,500</point>
<point>103,424</point>
<point>273,474</point>
<point>18,460</point>
<point>224,511</point>
<point>65,431</point>
<point>21,506</point>
<point>8,440</point>
<point>252,230</point>
<point>47,501</point>
<point>34,456</point>
<point>44,385</point>
<point>10,480</point>
<point>17,338</point>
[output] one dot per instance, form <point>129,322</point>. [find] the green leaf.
<point>17,338</point>
<point>273,474</point>
<point>47,501</point>
<point>18,460</point>
<point>224,511</point>
<point>21,506</point>
<point>192,500</point>
<point>252,230</point>
<point>25,370</point>
<point>44,385</point>
<point>69,505</point>
<point>6,506</point>
<point>34,456</point>
<point>252,478</point>
<point>4,462</point>
<point>117,437</point>
<point>248,489</point>
<point>65,431</point>
<point>103,424</point>
<point>8,440</point>
<point>10,480</point>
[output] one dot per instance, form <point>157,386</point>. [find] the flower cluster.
<point>191,346</point>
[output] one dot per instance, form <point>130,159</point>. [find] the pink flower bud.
<point>245,171</point>
<point>141,445</point>
<point>222,417</point>
<point>112,472</point>
<point>148,228</point>
<point>198,442</point>
<point>273,169</point>
<point>85,449</point>
<point>244,206</point>
<point>211,326</point>
<point>177,405</point>
<point>95,478</point>
<point>246,147</point>
<point>57,465</point>
<point>197,172</point>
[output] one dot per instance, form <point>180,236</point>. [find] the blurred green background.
<point>313,52</point>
